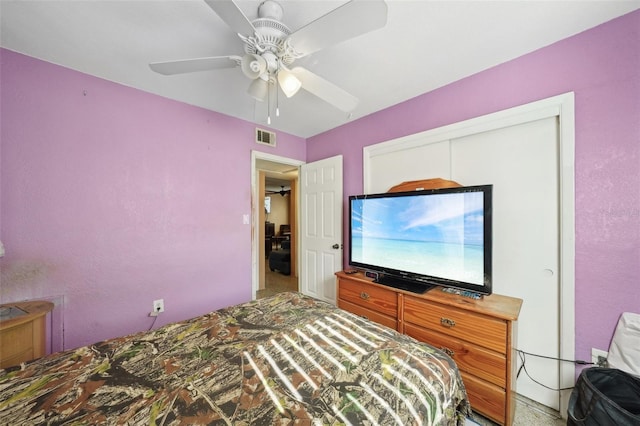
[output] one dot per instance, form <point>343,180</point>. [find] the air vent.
<point>265,137</point>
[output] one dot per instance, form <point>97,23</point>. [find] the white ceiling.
<point>425,45</point>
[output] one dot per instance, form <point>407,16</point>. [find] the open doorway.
<point>275,224</point>
<point>280,233</point>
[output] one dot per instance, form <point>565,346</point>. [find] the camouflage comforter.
<point>288,359</point>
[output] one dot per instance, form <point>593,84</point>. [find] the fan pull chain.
<point>277,101</point>
<point>269,103</point>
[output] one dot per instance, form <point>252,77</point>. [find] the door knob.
<point>335,246</point>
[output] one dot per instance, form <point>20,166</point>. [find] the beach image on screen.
<point>440,235</point>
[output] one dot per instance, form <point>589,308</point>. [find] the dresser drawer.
<point>16,340</point>
<point>369,296</point>
<point>486,398</point>
<point>18,358</point>
<point>22,338</point>
<point>481,362</point>
<point>463,324</point>
<point>368,314</point>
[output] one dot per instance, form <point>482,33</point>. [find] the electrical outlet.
<point>158,306</point>
<point>599,357</point>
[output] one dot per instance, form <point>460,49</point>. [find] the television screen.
<point>435,237</point>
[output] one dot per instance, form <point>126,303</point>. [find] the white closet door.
<point>522,164</point>
<point>398,165</point>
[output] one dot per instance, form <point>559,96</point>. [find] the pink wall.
<point>602,67</point>
<point>113,197</point>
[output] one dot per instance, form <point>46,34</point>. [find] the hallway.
<point>275,282</point>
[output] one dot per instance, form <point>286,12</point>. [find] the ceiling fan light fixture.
<point>253,65</point>
<point>289,83</point>
<point>258,89</point>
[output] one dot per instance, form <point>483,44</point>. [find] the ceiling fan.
<point>282,191</point>
<point>270,48</point>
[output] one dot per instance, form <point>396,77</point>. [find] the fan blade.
<point>232,16</point>
<point>347,21</point>
<point>325,90</point>
<point>193,65</point>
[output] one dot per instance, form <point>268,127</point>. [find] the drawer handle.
<point>446,322</point>
<point>448,351</point>
<point>364,296</point>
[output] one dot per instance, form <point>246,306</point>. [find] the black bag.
<point>605,396</point>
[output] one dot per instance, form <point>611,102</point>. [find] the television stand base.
<point>403,284</point>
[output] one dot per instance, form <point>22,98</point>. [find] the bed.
<point>287,359</point>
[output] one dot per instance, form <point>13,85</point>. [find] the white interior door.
<point>321,227</point>
<point>522,164</point>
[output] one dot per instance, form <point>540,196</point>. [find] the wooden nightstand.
<point>22,331</point>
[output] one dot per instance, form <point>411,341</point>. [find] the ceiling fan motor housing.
<point>270,9</point>
<point>271,36</point>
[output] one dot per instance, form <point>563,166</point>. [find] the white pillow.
<point>624,352</point>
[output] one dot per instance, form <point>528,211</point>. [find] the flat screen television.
<point>419,239</point>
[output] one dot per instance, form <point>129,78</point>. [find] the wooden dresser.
<point>22,331</point>
<point>480,335</point>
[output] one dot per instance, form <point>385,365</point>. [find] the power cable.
<point>153,323</point>
<point>522,354</point>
